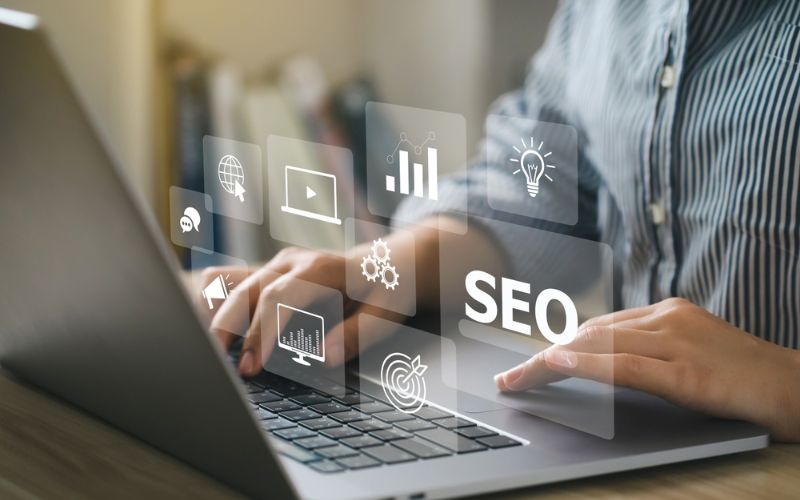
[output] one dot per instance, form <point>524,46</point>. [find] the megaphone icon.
<point>215,290</point>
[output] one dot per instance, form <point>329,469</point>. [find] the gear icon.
<point>370,268</point>
<point>391,280</point>
<point>380,251</point>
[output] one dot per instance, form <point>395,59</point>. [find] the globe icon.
<point>230,171</point>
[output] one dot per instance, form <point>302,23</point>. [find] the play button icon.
<point>310,193</point>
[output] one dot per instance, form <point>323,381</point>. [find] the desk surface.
<point>49,449</point>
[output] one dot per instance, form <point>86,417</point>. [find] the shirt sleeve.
<point>542,99</point>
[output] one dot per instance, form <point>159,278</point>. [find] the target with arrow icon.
<point>403,382</point>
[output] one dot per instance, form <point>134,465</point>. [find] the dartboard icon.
<point>403,382</point>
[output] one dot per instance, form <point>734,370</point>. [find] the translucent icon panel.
<point>527,292</point>
<point>190,221</point>
<point>311,192</point>
<point>381,266</point>
<point>234,178</point>
<point>409,152</point>
<point>532,168</point>
<point>219,291</point>
<point>302,331</point>
<point>406,363</point>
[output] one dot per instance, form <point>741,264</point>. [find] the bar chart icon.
<point>420,171</point>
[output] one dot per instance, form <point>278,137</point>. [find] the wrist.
<point>785,424</point>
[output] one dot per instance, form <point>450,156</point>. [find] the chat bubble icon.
<point>186,224</point>
<point>190,220</point>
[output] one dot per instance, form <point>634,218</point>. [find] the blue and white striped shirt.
<point>688,114</point>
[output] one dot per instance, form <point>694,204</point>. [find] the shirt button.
<point>668,77</point>
<point>657,213</point>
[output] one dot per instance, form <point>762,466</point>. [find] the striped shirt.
<point>688,116</point>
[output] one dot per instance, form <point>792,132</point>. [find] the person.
<point>688,114</point>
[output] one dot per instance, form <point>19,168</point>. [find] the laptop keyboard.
<point>354,431</point>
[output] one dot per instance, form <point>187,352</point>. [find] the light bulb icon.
<point>532,164</point>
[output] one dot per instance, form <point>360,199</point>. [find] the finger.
<point>234,314</point>
<point>530,374</point>
<point>263,330</point>
<point>618,316</point>
<point>592,340</point>
<point>637,372</point>
<point>621,339</point>
<point>287,290</point>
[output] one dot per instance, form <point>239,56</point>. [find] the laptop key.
<point>360,441</point>
<point>294,433</point>
<point>263,397</point>
<point>429,413</point>
<point>275,424</point>
<point>498,442</point>
<point>263,414</point>
<point>453,422</point>
<point>337,451</point>
<point>310,399</point>
<point>320,423</point>
<point>373,407</point>
<point>421,448</point>
<point>415,425</point>
<point>391,434</point>
<point>352,399</point>
<point>358,462</point>
<point>393,416</point>
<point>279,406</point>
<point>340,432</point>
<point>301,414</point>
<point>475,432</point>
<point>253,388</point>
<point>348,416</point>
<point>291,451</point>
<point>389,454</point>
<point>330,407</point>
<point>326,466</point>
<point>370,425</point>
<point>314,442</point>
<point>451,440</point>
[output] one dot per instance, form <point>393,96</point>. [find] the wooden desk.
<point>49,449</point>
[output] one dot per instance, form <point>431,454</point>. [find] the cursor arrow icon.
<point>238,191</point>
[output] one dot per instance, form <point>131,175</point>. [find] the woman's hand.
<point>249,309</point>
<point>683,353</point>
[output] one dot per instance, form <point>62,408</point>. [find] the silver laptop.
<point>93,311</point>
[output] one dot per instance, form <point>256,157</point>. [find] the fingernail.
<point>563,358</point>
<point>505,381</point>
<point>247,363</point>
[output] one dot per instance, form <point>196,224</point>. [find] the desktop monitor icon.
<point>304,334</point>
<point>310,194</point>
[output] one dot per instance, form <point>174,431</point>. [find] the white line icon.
<point>231,176</point>
<point>303,334</point>
<point>403,382</point>
<point>419,176</point>
<point>532,164</point>
<point>217,289</point>
<point>302,185</point>
<point>378,265</point>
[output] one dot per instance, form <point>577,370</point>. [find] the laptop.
<point>93,311</point>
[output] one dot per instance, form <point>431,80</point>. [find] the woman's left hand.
<point>683,353</point>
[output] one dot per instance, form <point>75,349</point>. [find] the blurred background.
<point>157,75</point>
